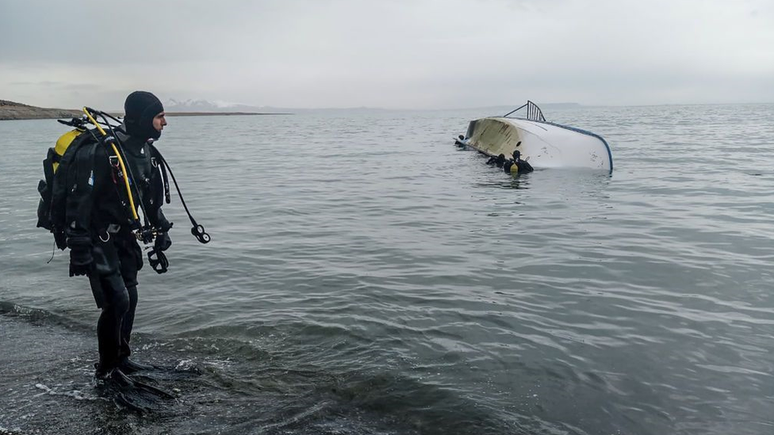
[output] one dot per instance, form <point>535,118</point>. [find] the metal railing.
<point>533,112</point>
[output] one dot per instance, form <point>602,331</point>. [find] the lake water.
<point>366,277</point>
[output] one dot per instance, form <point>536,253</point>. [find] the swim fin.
<point>163,373</point>
<point>128,366</point>
<point>133,394</point>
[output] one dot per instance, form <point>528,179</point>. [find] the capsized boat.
<point>543,144</point>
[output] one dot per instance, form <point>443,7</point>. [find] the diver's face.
<point>159,121</point>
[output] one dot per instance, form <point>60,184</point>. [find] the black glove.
<point>80,262</point>
<point>163,242</point>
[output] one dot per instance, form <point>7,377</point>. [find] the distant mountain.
<point>190,105</point>
<point>508,108</point>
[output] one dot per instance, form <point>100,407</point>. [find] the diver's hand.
<point>163,242</point>
<point>80,262</point>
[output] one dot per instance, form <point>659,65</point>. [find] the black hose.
<point>196,229</point>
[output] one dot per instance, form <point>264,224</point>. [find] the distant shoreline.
<point>225,113</point>
<point>11,111</point>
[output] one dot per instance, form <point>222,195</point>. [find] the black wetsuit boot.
<point>127,323</point>
<point>116,263</point>
<point>109,326</point>
<point>124,363</point>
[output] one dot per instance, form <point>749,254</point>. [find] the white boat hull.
<point>543,144</point>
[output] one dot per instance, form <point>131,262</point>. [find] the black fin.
<point>133,394</point>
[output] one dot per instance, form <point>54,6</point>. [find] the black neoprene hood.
<point>140,109</point>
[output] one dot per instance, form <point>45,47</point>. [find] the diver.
<point>100,226</point>
<point>461,142</point>
<point>499,160</point>
<point>517,165</point>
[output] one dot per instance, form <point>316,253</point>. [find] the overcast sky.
<point>413,54</point>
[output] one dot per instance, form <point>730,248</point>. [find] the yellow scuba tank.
<point>62,143</point>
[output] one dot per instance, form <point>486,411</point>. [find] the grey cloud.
<point>420,53</point>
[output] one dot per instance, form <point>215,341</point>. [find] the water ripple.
<point>416,283</point>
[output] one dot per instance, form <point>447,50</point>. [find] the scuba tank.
<point>56,158</point>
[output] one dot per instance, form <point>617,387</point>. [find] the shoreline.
<point>47,386</point>
<point>66,114</point>
<point>47,382</point>
<point>227,113</point>
<point>12,111</point>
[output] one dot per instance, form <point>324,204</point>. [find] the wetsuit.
<point>99,224</point>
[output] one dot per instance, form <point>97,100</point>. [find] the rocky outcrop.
<point>12,110</point>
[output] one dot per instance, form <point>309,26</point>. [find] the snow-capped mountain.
<point>190,105</point>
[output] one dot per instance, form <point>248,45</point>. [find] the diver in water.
<point>517,165</point>
<point>461,142</point>
<point>499,160</point>
<point>99,226</point>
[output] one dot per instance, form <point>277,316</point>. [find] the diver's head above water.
<point>144,115</point>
